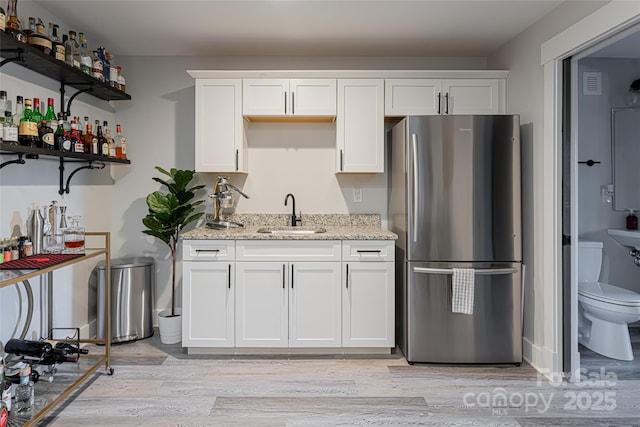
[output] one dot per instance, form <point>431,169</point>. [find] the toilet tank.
<point>589,261</point>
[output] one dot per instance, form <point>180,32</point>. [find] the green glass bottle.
<point>28,128</point>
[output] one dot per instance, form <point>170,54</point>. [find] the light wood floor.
<point>159,385</point>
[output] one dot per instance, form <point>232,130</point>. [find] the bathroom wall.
<point>594,142</point>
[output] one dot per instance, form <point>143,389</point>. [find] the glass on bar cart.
<point>74,237</point>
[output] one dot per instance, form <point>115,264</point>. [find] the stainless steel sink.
<point>291,231</point>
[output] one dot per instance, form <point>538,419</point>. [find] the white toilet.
<point>605,310</point>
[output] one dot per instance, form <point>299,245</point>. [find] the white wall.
<point>521,57</point>
<point>594,142</point>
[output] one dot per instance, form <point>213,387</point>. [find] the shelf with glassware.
<point>71,375</point>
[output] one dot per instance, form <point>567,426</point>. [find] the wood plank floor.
<point>159,385</point>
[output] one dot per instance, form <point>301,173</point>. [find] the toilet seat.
<point>610,294</point>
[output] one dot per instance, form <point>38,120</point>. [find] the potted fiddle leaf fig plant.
<point>169,213</point>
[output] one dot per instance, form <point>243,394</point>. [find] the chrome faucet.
<point>294,219</point>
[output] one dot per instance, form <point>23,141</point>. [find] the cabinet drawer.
<point>208,250</point>
<point>368,250</point>
<point>290,250</point>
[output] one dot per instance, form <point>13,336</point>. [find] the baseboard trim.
<point>541,359</point>
<point>287,351</point>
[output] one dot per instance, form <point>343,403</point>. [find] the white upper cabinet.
<point>220,144</point>
<point>284,97</point>
<point>472,96</point>
<point>405,97</point>
<point>360,126</point>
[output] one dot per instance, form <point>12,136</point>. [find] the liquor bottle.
<point>46,135</point>
<point>50,115</point>
<point>86,64</point>
<point>19,111</point>
<point>9,131</point>
<point>96,69</point>
<point>113,71</point>
<point>62,140</point>
<point>5,388</point>
<point>3,19</point>
<point>71,51</point>
<point>87,140</point>
<point>111,142</point>
<point>13,24</point>
<point>121,82</point>
<point>105,64</point>
<point>28,129</point>
<point>24,397</point>
<point>103,144</point>
<point>30,28</point>
<point>35,111</point>
<point>76,142</point>
<point>39,39</point>
<point>3,101</point>
<point>79,126</point>
<point>57,47</point>
<point>121,143</point>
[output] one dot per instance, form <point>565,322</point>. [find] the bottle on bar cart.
<point>28,129</point>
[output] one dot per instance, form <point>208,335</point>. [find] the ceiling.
<point>453,28</point>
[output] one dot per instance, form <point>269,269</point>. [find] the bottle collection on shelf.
<point>27,126</point>
<point>72,49</point>
<point>47,233</point>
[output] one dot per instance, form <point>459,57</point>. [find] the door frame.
<point>603,24</point>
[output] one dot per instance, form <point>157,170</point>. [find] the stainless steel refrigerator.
<point>454,201</point>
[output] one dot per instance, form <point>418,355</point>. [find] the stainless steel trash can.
<point>132,284</point>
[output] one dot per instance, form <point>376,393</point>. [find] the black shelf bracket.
<point>18,58</point>
<point>65,189</point>
<point>19,161</point>
<point>67,111</point>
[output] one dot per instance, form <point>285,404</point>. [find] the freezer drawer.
<point>492,334</point>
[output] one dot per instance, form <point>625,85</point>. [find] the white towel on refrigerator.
<point>463,284</point>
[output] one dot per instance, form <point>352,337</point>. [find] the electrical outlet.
<point>357,195</point>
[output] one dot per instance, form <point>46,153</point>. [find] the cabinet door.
<point>207,304</point>
<point>315,304</point>
<point>265,97</point>
<point>360,125</point>
<point>472,96</point>
<point>220,138</point>
<point>368,305</point>
<point>404,97</point>
<point>262,300</point>
<point>311,97</point>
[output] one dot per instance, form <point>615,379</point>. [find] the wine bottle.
<point>28,348</point>
<point>28,129</point>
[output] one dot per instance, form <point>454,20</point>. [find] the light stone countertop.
<point>339,227</point>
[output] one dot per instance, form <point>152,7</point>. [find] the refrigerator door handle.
<point>478,271</point>
<point>414,202</point>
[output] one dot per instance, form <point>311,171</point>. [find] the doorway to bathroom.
<point>597,84</point>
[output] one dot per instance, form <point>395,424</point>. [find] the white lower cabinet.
<point>288,294</point>
<point>208,304</point>
<point>292,299</point>
<point>368,300</point>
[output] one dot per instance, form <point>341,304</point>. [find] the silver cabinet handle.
<point>237,164</point>
<point>283,275</point>
<point>207,250</point>
<point>293,103</point>
<point>478,272</point>
<point>341,161</point>
<point>414,142</point>
<point>285,102</point>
